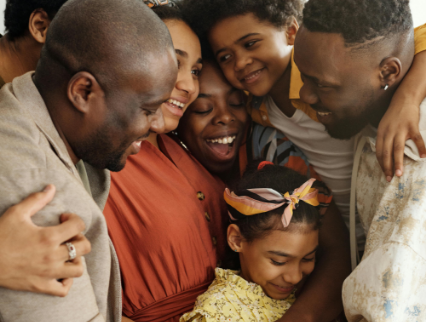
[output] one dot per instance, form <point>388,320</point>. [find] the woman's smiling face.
<point>214,125</point>
<point>188,54</point>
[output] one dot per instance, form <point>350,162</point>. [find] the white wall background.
<point>418,7</point>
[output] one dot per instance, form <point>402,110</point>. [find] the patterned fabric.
<point>270,144</point>
<point>157,3</point>
<point>232,298</point>
<point>256,201</point>
<point>390,282</point>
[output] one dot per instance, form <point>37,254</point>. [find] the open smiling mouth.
<point>223,145</point>
<point>324,113</point>
<point>176,103</point>
<point>175,107</point>
<point>252,77</point>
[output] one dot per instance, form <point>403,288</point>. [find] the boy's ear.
<point>291,31</point>
<point>84,92</point>
<point>235,238</point>
<point>390,70</point>
<point>38,24</point>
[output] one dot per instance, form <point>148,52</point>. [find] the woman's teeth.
<point>177,103</point>
<point>224,140</point>
<point>323,113</point>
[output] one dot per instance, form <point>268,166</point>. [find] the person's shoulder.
<point>215,304</point>
<point>215,294</point>
<point>19,134</point>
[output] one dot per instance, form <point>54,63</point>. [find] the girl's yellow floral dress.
<point>232,298</point>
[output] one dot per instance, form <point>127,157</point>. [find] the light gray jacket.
<point>32,155</point>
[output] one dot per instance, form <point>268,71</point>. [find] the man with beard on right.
<point>353,55</point>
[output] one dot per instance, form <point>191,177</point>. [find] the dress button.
<point>206,214</point>
<point>201,195</point>
<point>214,240</point>
<point>264,117</point>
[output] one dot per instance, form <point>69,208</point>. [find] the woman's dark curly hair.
<point>204,14</point>
<point>358,21</point>
<point>169,12</point>
<point>283,180</point>
<point>18,12</point>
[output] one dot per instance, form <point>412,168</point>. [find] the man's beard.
<point>95,151</point>
<point>345,129</point>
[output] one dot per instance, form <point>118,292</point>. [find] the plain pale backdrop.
<point>418,8</point>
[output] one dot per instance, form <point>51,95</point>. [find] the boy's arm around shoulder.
<point>401,121</point>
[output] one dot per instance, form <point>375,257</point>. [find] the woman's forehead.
<point>212,79</point>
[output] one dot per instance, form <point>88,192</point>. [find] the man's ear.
<point>84,91</point>
<point>390,71</point>
<point>291,31</point>
<point>235,239</point>
<point>38,24</point>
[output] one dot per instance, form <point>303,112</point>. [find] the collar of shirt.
<point>296,84</point>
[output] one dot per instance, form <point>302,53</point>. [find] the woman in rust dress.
<point>165,213</point>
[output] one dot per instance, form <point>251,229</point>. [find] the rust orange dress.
<point>167,219</point>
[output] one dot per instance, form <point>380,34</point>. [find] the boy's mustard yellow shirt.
<point>232,298</point>
<point>260,115</point>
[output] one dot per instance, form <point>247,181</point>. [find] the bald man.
<point>106,68</point>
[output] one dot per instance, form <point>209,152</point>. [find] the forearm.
<point>321,299</point>
<point>25,306</point>
<point>413,88</point>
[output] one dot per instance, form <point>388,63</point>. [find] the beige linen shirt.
<point>390,282</point>
<point>32,155</point>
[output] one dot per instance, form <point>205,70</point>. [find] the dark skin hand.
<point>34,258</point>
<point>331,269</point>
<point>401,121</point>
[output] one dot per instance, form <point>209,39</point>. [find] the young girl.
<point>275,217</point>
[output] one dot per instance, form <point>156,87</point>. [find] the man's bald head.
<point>105,70</point>
<point>104,37</point>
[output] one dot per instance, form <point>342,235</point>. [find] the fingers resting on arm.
<point>34,258</point>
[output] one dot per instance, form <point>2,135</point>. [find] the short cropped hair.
<point>18,12</point>
<point>204,14</point>
<point>358,21</point>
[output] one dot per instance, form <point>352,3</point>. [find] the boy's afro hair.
<point>18,12</point>
<point>204,14</point>
<point>358,21</point>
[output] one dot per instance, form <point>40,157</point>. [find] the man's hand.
<point>34,258</point>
